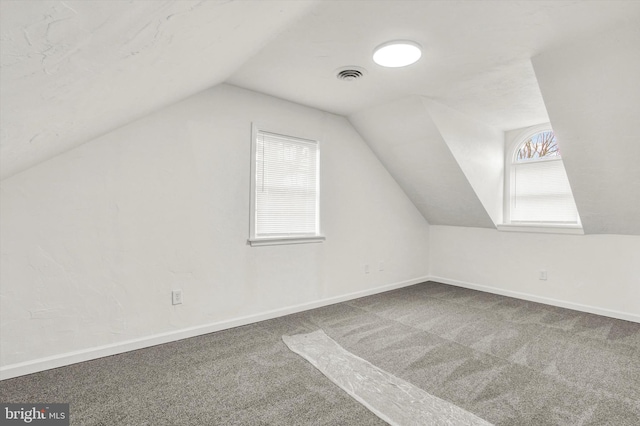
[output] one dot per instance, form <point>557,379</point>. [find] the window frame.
<point>510,161</point>
<point>256,241</point>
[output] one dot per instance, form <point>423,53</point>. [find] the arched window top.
<point>542,145</point>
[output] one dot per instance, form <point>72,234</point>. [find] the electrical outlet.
<point>543,275</point>
<point>367,269</point>
<point>176,297</point>
<point>381,266</point>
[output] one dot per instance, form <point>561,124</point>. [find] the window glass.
<point>539,191</point>
<point>285,193</point>
<point>540,145</point>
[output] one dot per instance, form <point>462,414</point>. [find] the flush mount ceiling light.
<point>395,54</point>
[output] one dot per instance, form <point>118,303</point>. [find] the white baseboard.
<point>540,299</point>
<point>41,364</point>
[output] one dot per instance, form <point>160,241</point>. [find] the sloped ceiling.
<point>592,92</point>
<point>72,70</point>
<point>478,150</point>
<point>408,143</point>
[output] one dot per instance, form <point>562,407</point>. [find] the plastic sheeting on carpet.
<point>394,400</point>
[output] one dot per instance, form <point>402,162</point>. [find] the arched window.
<point>540,145</point>
<point>539,190</point>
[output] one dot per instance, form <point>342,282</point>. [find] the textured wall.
<point>408,142</point>
<point>479,151</point>
<point>73,70</point>
<point>592,94</point>
<point>600,271</point>
<point>94,240</point>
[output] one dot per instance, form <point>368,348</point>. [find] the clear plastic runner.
<point>394,400</point>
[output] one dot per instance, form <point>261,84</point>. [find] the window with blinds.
<point>541,193</point>
<point>540,190</point>
<point>285,193</point>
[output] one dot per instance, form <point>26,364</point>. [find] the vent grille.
<point>350,73</point>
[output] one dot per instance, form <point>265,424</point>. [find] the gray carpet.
<point>509,361</point>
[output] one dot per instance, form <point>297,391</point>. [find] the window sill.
<point>257,242</point>
<point>541,228</point>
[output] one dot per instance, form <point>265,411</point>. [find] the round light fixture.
<point>395,54</point>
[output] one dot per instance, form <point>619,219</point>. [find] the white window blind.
<point>541,193</point>
<point>286,186</point>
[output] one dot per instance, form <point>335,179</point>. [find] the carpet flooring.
<point>508,361</point>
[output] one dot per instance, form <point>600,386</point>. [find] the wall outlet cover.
<point>176,297</point>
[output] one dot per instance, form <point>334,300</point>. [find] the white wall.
<point>408,142</point>
<point>94,240</point>
<point>591,91</point>
<point>595,273</point>
<point>479,151</point>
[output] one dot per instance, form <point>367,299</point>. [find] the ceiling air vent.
<point>350,73</point>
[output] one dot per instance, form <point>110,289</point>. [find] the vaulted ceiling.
<point>73,70</point>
